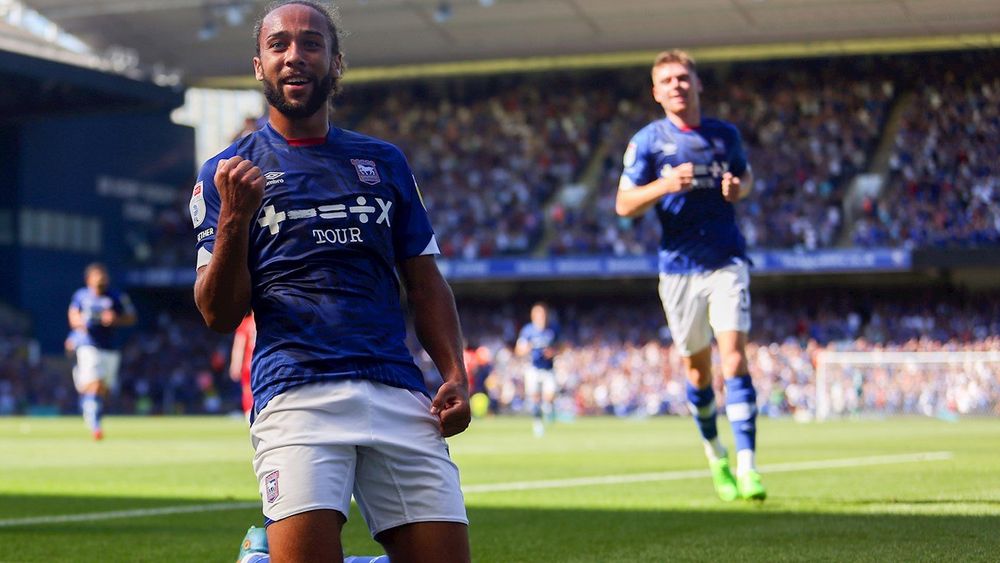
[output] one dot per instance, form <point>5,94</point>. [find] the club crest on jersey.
<point>271,486</point>
<point>367,172</point>
<point>274,177</point>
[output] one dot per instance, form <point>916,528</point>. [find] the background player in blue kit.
<point>309,224</point>
<point>539,338</point>
<point>692,169</point>
<point>95,311</point>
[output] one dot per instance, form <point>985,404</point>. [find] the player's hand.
<point>451,406</point>
<point>731,187</point>
<point>241,186</point>
<point>108,317</point>
<point>680,178</point>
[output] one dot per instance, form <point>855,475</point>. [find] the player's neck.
<point>316,125</point>
<point>685,120</point>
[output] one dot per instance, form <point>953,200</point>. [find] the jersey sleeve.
<point>75,302</point>
<point>637,166</point>
<point>204,207</point>
<point>412,234</point>
<point>737,154</point>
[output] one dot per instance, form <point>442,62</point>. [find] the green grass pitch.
<point>839,491</point>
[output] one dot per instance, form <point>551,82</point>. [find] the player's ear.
<point>337,65</point>
<point>258,69</point>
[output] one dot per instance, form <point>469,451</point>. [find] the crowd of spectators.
<point>491,158</point>
<point>944,184</point>
<point>529,164</point>
<point>617,359</point>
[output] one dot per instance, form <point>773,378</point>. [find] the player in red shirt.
<point>239,364</point>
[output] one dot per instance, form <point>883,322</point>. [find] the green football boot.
<point>722,478</point>
<point>750,486</point>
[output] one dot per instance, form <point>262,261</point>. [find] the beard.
<point>320,95</point>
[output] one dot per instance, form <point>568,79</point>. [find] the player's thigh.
<point>548,384</point>
<point>88,368</point>
<point>308,536</point>
<point>532,382</point>
<point>305,448</point>
<point>728,292</point>
<point>685,306</point>
<point>406,476</point>
<point>110,363</point>
<point>427,542</point>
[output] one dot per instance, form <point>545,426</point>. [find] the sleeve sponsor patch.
<point>197,206</point>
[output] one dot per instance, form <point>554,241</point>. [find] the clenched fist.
<point>731,187</point>
<point>679,178</point>
<point>241,187</point>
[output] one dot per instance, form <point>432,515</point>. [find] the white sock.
<point>745,462</point>
<point>714,449</point>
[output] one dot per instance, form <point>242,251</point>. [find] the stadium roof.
<point>209,39</point>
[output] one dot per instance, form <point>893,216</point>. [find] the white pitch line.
<point>698,473</point>
<point>505,487</point>
<point>138,513</point>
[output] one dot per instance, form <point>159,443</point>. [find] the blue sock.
<point>702,404</point>
<point>366,559</point>
<point>741,408</point>
<point>91,405</point>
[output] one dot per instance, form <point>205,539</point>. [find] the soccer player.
<point>94,313</point>
<point>239,360</point>
<point>309,225</point>
<point>691,170</point>
<point>539,338</point>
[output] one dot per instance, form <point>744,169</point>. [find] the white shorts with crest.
<point>317,444</point>
<point>698,304</point>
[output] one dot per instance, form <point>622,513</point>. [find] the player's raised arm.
<point>436,322</point>
<point>222,290</point>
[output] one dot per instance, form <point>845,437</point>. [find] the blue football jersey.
<point>336,216</point>
<point>91,306</point>
<point>540,339</point>
<point>699,231</point>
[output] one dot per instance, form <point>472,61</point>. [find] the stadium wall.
<point>82,182</point>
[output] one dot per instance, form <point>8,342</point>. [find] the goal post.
<point>886,383</point>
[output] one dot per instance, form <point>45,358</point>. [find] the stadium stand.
<point>529,164</point>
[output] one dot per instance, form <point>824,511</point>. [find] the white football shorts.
<point>697,304</point>
<point>316,444</point>
<point>95,364</point>
<point>538,380</point>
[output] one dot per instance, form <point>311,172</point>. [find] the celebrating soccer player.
<point>309,224</point>
<point>692,170</point>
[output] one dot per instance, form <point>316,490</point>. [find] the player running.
<point>539,338</point>
<point>309,224</point>
<point>94,313</point>
<point>692,169</point>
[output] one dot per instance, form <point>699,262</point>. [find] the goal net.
<point>884,383</point>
